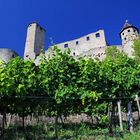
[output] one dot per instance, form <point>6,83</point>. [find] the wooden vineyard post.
<point>120,115</point>
<point>112,118</point>
<point>130,117</point>
<point>138,104</point>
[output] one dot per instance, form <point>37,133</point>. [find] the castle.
<point>93,45</point>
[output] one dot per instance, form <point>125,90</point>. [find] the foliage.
<point>61,85</point>
<point>69,132</point>
<point>136,47</point>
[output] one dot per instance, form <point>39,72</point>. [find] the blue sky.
<point>64,19</point>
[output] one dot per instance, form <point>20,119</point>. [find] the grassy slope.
<point>71,132</point>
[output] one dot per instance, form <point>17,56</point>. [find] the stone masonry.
<point>92,45</point>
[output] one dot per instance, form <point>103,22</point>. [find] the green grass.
<point>67,132</point>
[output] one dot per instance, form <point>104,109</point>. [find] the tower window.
<point>134,30</point>
<point>125,38</point>
<point>27,55</point>
<point>74,53</point>
<point>77,42</point>
<point>128,30</point>
<point>88,38</point>
<point>122,33</point>
<point>97,35</point>
<point>66,46</point>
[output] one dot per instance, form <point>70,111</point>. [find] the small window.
<point>128,30</point>
<point>134,30</point>
<point>122,33</point>
<point>74,53</point>
<point>125,38</point>
<point>27,55</point>
<point>66,46</point>
<point>97,35</point>
<point>77,42</point>
<point>13,56</point>
<point>88,38</point>
<point>41,28</point>
<point>37,55</point>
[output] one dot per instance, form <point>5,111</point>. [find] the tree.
<point>136,47</point>
<point>21,78</point>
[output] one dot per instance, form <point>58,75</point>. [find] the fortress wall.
<point>96,53</point>
<point>7,54</point>
<point>128,49</point>
<point>85,43</point>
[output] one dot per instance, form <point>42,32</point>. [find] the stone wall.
<point>35,41</point>
<point>85,43</point>
<point>7,54</point>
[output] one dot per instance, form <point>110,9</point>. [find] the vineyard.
<point>62,87</point>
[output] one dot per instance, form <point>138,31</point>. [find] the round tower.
<point>7,54</point>
<point>128,34</point>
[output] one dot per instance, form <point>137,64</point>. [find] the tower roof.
<point>127,25</point>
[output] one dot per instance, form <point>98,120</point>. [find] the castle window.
<point>77,42</point>
<point>13,56</point>
<point>74,53</point>
<point>27,55</point>
<point>88,38</point>
<point>134,30</point>
<point>128,30</point>
<point>41,28</point>
<point>66,46</point>
<point>122,33</point>
<point>97,35</point>
<point>37,55</point>
<point>125,38</point>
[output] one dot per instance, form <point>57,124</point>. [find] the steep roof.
<point>127,25</point>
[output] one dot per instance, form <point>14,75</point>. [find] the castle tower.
<point>35,41</point>
<point>128,34</point>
